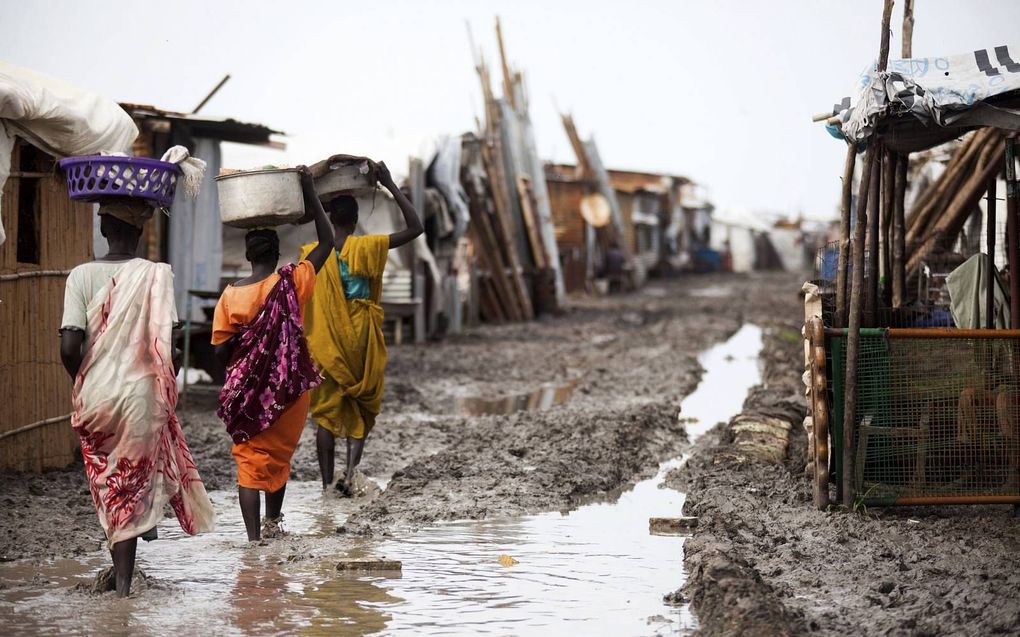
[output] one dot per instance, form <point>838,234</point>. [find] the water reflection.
<point>543,397</point>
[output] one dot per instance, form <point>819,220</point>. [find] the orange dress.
<point>263,462</point>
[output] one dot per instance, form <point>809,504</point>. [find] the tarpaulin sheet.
<point>943,91</point>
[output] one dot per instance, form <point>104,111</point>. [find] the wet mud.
<point>628,359</point>
<point>763,561</point>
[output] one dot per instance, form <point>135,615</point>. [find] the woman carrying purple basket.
<point>258,333</point>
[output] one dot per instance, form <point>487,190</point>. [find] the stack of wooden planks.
<point>511,220</point>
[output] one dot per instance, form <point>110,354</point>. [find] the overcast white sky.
<point>719,91</point>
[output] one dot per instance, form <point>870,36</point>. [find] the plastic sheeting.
<point>195,239</point>
<point>58,118</point>
<point>947,91</point>
<point>444,173</point>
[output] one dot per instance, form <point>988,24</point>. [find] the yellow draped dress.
<point>346,341</point>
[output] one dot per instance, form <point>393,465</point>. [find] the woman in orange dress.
<point>258,333</point>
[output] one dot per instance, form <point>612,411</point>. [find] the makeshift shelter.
<point>653,220</point>
<point>47,234</point>
<point>919,414</point>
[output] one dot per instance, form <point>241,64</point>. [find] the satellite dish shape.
<point>595,210</point>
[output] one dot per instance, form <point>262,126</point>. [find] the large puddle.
<point>595,569</point>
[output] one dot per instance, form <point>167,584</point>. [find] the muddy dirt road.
<point>761,561</point>
<point>629,360</point>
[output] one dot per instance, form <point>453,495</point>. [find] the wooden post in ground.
<point>1013,249</point>
<point>853,335</point>
<point>899,272</point>
<point>885,252</point>
<point>990,241</point>
<point>846,201</point>
<point>874,191</point>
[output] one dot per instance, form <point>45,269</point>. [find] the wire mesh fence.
<point>936,415</point>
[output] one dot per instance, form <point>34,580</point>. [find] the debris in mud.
<point>671,526</point>
<point>506,560</point>
<point>348,565</point>
<point>676,598</point>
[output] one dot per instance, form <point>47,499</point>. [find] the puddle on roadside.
<point>595,569</point>
<point>711,292</point>
<point>544,397</point>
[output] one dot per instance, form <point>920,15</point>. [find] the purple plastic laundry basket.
<point>93,177</point>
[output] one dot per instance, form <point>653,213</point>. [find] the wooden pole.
<point>853,335</point>
<point>1014,242</point>
<point>874,190</point>
<point>908,29</point>
<point>508,83</point>
<point>990,233</point>
<point>210,94</point>
<point>883,50</point>
<point>846,201</point>
<point>888,176</point>
<point>899,273</point>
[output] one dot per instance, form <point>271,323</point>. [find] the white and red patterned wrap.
<point>124,400</point>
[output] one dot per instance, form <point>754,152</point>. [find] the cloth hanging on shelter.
<point>967,286</point>
<point>57,118</point>
<point>444,174</point>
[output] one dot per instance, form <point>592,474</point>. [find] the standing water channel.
<point>593,570</point>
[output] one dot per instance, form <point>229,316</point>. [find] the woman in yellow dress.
<point>343,322</point>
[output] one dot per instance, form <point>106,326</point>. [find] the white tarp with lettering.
<point>945,91</point>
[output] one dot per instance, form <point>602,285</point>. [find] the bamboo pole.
<point>899,273</point>
<point>35,425</point>
<point>990,233</point>
<point>846,201</point>
<point>853,336</point>
<point>33,274</point>
<point>874,192</point>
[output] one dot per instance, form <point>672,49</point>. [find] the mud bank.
<point>630,358</point>
<point>763,561</point>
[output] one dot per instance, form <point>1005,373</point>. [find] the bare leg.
<point>251,506</point>
<point>274,502</point>
<point>124,564</point>
<point>355,447</point>
<point>325,447</point>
